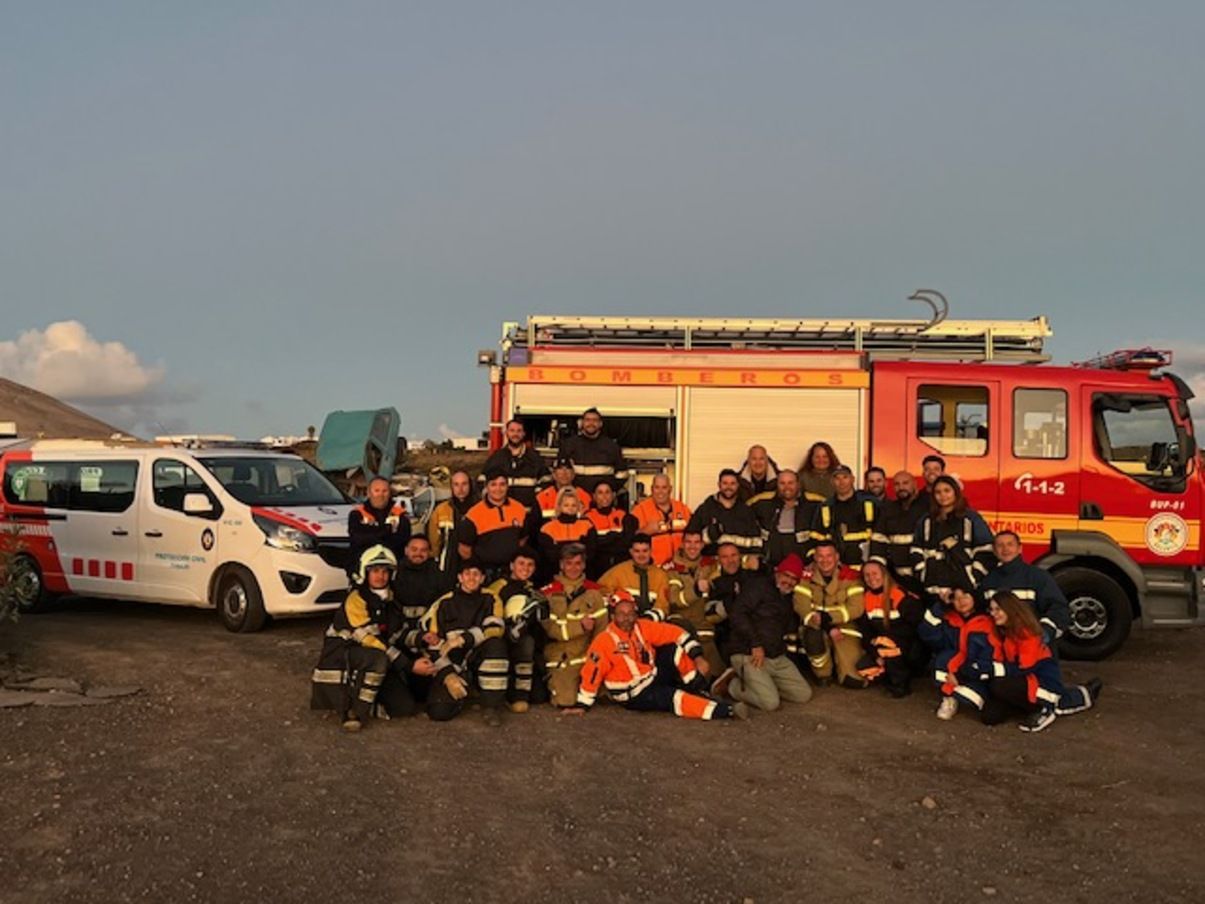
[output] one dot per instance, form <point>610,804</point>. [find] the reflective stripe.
<point>967,694</point>
<point>738,540</point>
<point>709,710</point>
<point>565,663</point>
<point>374,679</point>
<point>1048,696</point>
<point>931,618</point>
<point>594,470</point>
<point>368,694</point>
<point>522,481</point>
<point>328,676</point>
<point>491,683</point>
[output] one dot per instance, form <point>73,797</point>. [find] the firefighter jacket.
<point>546,501</point>
<point>815,485</point>
<point>613,529</point>
<point>686,602</point>
<point>891,612</point>
<point>525,473</point>
<point>1036,586</point>
<point>522,604</point>
<point>495,532</point>
<point>848,523</point>
<point>836,599</point>
<point>664,525</point>
<point>594,460</point>
<point>719,525</point>
<point>762,617</point>
<point>562,530</point>
<point>952,552</point>
<point>368,527</point>
<point>891,539</point>
<point>473,617</point>
<point>1028,655</point>
<point>415,588</point>
<point>649,587</point>
<point>623,661</point>
<point>800,523</point>
<point>939,628</point>
<point>754,489</point>
<point>442,528</point>
<point>568,603</point>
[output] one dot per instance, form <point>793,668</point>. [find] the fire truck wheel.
<point>1100,614</point>
<point>31,593</point>
<point>239,601</point>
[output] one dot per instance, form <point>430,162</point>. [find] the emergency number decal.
<point>1166,534</point>
<point>1026,484</point>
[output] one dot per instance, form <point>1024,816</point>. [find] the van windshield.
<point>273,481</point>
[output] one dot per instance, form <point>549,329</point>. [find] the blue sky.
<point>278,209</point>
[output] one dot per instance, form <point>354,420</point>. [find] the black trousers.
<point>485,668</point>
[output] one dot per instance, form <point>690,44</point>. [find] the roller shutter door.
<point>721,424</point>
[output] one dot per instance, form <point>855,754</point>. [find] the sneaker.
<point>518,706</point>
<point>740,711</point>
<point>351,723</point>
<point>719,687</point>
<point>1036,721</point>
<point>947,709</point>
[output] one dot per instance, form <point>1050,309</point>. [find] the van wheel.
<point>239,602</point>
<point>28,590</point>
<point>1100,614</point>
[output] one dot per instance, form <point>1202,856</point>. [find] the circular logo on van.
<point>207,539</point>
<point>1166,534</point>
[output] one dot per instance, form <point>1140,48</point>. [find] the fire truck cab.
<point>1094,466</point>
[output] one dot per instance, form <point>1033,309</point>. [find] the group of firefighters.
<point>541,586</point>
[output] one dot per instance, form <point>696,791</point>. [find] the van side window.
<point>953,419</point>
<point>1040,423</point>
<point>37,483</point>
<point>1136,435</point>
<point>102,486</point>
<point>172,480</point>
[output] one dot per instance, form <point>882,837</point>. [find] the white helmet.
<point>374,555</point>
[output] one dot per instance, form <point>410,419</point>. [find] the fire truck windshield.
<point>1137,435</point>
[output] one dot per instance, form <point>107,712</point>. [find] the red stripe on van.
<point>93,568</point>
<point>127,571</point>
<point>111,570</point>
<point>77,566</point>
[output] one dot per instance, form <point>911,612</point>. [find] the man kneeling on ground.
<point>761,674</point>
<point>650,666</point>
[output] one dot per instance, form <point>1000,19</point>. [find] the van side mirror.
<point>197,504</point>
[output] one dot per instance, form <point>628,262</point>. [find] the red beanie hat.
<point>792,565</point>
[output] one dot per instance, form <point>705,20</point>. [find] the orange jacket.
<point>546,501</point>
<point>667,537</point>
<point>624,661</point>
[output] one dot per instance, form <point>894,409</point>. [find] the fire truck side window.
<point>953,419</point>
<point>1040,423</point>
<point>1137,436</point>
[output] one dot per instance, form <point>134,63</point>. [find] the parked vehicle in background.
<point>248,532</point>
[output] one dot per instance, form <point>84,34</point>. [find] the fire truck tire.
<point>239,602</point>
<point>31,593</point>
<point>1101,614</point>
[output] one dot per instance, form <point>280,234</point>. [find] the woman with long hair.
<point>953,544</point>
<point>816,472</point>
<point>888,625</point>
<point>963,639</point>
<point>1026,679</point>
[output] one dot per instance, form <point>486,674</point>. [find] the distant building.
<point>468,443</point>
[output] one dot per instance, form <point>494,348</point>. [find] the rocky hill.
<point>37,414</point>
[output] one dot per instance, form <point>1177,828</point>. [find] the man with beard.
<point>524,469</point>
<point>847,518</point>
<point>417,584</point>
<point>663,518</point>
<point>828,601</point>
<point>445,520</point>
<point>576,613</point>
<point>758,475</point>
<point>723,518</point>
<point>874,481</point>
<point>894,528</point>
<point>595,457</point>
<point>786,521</point>
<point>688,602</point>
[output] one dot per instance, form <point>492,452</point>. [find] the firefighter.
<point>576,613</point>
<point>931,467</point>
<point>828,601</point>
<point>524,469</point>
<point>648,584</point>
<point>874,482</point>
<point>890,616</point>
<point>521,604</point>
<point>493,530</point>
<point>952,545</point>
<point>1030,583</point>
<point>1027,677</point>
<point>723,518</point>
<point>847,519</point>
<point>722,586</point>
<point>649,666</point>
<point>569,526</point>
<point>445,521</point>
<point>562,476</point>
<point>816,472</point>
<point>758,475</point>
<point>894,528</point>
<point>463,636</point>
<point>762,674</point>
<point>787,522</point>
<point>689,575</point>
<point>663,518</point>
<point>968,648</point>
<point>613,527</point>
<point>378,520</point>
<point>350,677</point>
<point>417,584</point>
<point>595,457</point>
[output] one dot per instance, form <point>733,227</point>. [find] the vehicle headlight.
<point>281,536</point>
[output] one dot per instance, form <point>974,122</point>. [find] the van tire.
<point>239,602</point>
<point>1101,614</point>
<point>31,593</point>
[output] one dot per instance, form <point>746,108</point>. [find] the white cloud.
<point>65,361</point>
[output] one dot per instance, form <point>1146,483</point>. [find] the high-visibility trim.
<point>368,695</point>
<point>491,683</point>
<point>328,676</point>
<point>374,679</point>
<point>565,663</point>
<point>998,670</point>
<point>522,481</point>
<point>739,541</point>
<point>1046,695</point>
<point>973,697</point>
<point>594,470</point>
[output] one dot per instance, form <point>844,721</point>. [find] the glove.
<point>456,686</point>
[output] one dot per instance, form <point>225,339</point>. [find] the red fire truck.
<point>1095,466</point>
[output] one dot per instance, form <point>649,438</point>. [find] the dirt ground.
<point>217,783</point>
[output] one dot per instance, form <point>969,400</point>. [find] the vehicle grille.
<point>334,553</point>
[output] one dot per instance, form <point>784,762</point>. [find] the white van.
<point>251,533</point>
